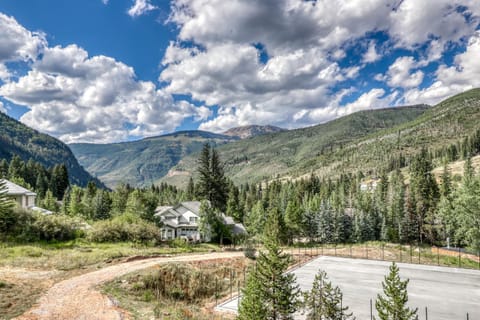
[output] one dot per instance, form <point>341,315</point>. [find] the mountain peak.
<point>249,131</point>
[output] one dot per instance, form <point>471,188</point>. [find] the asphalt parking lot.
<point>447,293</point>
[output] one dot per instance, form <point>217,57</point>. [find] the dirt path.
<point>78,299</point>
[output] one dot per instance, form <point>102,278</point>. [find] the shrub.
<point>32,226</point>
<point>124,228</point>
<point>56,227</point>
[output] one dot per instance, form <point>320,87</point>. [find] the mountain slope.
<point>356,142</point>
<point>145,161</point>
<point>251,131</point>
<point>294,152</point>
<point>18,139</point>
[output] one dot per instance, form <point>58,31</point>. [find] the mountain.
<point>18,139</point>
<point>296,152</point>
<point>143,162</point>
<point>368,141</point>
<point>252,131</point>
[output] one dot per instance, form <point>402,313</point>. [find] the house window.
<point>193,219</point>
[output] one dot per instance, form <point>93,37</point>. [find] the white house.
<point>23,197</point>
<point>181,221</point>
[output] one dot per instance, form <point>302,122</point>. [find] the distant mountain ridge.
<point>19,139</point>
<point>296,152</point>
<point>142,162</point>
<point>250,131</point>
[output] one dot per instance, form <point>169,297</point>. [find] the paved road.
<point>448,293</point>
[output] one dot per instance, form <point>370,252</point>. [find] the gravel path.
<point>78,299</point>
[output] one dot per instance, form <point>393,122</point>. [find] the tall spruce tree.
<point>270,289</point>
<point>425,190</point>
<point>212,184</point>
<point>392,305</point>
<point>324,302</point>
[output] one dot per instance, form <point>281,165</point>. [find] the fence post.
<point>468,316</point>
<point>438,256</point>
<point>400,248</point>
<point>411,253</point>
<point>351,253</point>
<point>335,249</point>
<point>478,258</point>
<point>426,313</point>
<point>419,252</point>
<point>371,310</point>
<point>459,258</point>
<point>216,291</point>
<point>231,283</point>
<point>366,251</point>
<point>383,251</point>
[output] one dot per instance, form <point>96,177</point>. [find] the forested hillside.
<point>18,139</point>
<point>142,162</point>
<point>295,152</point>
<point>367,141</point>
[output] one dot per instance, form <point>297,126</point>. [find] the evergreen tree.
<point>59,181</point>
<point>212,184</point>
<point>392,305</point>
<point>50,203</point>
<point>252,306</point>
<point>273,288</point>
<point>7,218</point>
<point>233,204</point>
<point>3,169</point>
<point>324,302</point>
<point>293,221</point>
<point>102,204</point>
<point>425,190</point>
<point>190,191</point>
<point>15,168</point>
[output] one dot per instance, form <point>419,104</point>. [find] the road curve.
<point>77,298</point>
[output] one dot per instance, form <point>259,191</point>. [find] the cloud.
<point>17,43</point>
<point>371,55</point>
<point>140,7</point>
<point>105,2</point>
<point>399,73</point>
<point>449,80</point>
<point>80,98</point>
<point>5,74</point>
<point>215,58</point>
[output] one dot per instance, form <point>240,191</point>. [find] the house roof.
<point>16,190</point>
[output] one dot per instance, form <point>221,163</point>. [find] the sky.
<point>106,71</point>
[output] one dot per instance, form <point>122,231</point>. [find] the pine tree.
<point>252,305</point>
<point>324,302</point>
<point>274,289</point>
<point>7,218</point>
<point>425,190</point>
<point>212,184</point>
<point>392,305</point>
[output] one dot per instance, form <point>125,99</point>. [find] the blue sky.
<point>108,71</point>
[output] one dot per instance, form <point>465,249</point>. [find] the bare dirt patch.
<point>79,298</point>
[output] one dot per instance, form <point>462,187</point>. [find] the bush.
<point>124,228</point>
<point>32,226</point>
<point>56,227</point>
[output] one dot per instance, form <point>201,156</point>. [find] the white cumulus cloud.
<point>215,58</point>
<point>18,43</point>
<point>140,7</point>
<point>80,98</point>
